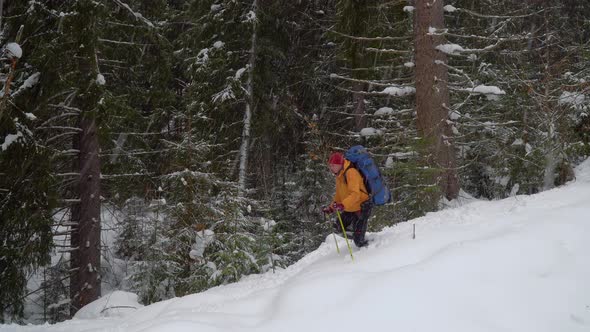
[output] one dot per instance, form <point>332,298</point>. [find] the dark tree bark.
<point>85,258</point>
<point>432,95</point>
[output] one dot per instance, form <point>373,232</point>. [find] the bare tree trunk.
<point>432,95</point>
<point>249,106</point>
<point>548,111</point>
<point>85,257</point>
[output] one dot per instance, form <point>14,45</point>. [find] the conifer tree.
<point>27,192</point>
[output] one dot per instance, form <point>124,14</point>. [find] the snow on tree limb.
<point>499,16</point>
<point>399,91</point>
<point>386,50</point>
<point>484,89</point>
<point>9,139</point>
<point>356,80</point>
<point>137,15</point>
<point>449,8</point>
<point>14,50</point>
<point>455,49</point>
<point>28,83</point>
<point>450,48</point>
<point>368,132</point>
<point>576,100</point>
<point>379,38</point>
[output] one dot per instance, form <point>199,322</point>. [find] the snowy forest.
<point>165,147</point>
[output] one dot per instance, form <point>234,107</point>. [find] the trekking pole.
<point>345,236</point>
<point>335,240</point>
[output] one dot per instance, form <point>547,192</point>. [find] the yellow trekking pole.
<point>345,236</point>
<point>336,241</point>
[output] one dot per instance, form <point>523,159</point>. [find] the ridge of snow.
<point>114,304</point>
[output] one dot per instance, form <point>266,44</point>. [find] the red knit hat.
<point>336,158</point>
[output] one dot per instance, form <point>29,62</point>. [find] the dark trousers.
<point>356,223</point>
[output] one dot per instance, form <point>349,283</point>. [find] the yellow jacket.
<point>352,192</point>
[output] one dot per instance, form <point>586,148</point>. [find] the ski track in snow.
<point>518,264</point>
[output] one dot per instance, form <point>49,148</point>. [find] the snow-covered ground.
<point>519,264</point>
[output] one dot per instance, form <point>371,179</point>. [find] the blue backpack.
<point>379,194</point>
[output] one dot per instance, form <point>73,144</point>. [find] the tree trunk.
<point>432,95</point>
<point>548,111</point>
<point>85,257</point>
<point>249,106</point>
<point>85,260</point>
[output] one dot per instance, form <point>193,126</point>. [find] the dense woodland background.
<point>201,129</point>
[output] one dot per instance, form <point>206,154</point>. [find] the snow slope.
<point>519,264</point>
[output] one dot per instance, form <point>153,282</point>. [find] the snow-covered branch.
<point>113,176</point>
<point>382,38</point>
<point>57,117</point>
<point>455,49</point>
<point>473,13</point>
<point>493,38</point>
<point>137,15</point>
<point>482,89</point>
<point>65,107</point>
<point>386,50</point>
<point>120,42</point>
<point>61,128</point>
<point>399,91</point>
<point>53,138</point>
<point>356,80</point>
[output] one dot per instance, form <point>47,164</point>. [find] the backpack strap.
<point>346,170</point>
<point>364,182</point>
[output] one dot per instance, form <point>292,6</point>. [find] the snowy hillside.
<point>520,264</point>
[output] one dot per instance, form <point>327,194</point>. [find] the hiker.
<point>351,199</point>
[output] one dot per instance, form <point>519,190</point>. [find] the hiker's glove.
<point>328,209</point>
<point>338,207</point>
